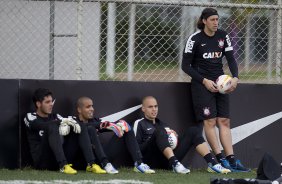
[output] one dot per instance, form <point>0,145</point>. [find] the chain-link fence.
<point>131,40</point>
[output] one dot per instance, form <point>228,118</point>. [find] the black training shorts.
<point>208,105</point>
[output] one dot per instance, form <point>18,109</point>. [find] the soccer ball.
<point>223,83</point>
<point>172,138</point>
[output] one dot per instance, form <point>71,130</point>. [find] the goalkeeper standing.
<point>202,60</point>
<point>55,139</point>
<point>121,128</point>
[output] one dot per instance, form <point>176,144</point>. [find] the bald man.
<point>152,138</point>
<point>122,130</point>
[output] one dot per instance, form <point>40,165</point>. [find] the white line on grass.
<point>74,182</point>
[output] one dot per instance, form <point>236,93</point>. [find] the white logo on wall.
<point>117,116</point>
<point>243,131</point>
<point>238,133</point>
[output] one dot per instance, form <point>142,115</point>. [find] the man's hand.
<point>113,127</point>
<point>210,85</point>
<point>124,125</point>
<point>71,122</point>
<point>170,130</point>
<point>64,129</point>
<point>234,83</point>
<point>104,124</point>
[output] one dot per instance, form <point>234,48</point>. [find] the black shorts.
<point>208,105</point>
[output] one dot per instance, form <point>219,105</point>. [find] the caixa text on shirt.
<point>211,55</point>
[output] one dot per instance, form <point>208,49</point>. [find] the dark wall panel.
<point>9,124</point>
<point>249,102</point>
<point>109,98</point>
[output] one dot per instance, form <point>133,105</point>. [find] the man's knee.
<point>210,123</point>
<point>223,122</point>
<point>196,135</point>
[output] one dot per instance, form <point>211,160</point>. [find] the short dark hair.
<point>206,13</point>
<point>40,94</point>
<point>80,101</point>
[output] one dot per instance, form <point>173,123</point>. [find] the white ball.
<point>223,83</point>
<point>172,138</point>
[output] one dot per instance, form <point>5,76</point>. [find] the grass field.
<point>126,175</point>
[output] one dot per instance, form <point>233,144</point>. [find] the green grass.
<point>161,176</point>
<point>139,66</point>
<point>121,65</point>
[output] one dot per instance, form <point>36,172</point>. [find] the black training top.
<point>144,129</point>
<point>35,126</point>
<point>202,56</point>
<point>95,122</point>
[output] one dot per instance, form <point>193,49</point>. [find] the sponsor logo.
<point>211,55</point>
<point>149,128</point>
<point>189,46</point>
<point>228,41</point>
<point>203,44</point>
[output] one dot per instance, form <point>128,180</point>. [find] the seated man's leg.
<point>86,148</point>
<point>51,148</point>
<point>45,158</point>
<point>96,145</point>
<point>164,147</point>
<point>55,143</point>
<point>193,137</point>
<point>132,146</point>
<point>99,151</point>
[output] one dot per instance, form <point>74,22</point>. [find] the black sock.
<point>210,159</point>
<point>62,163</point>
<point>104,162</point>
<point>137,162</point>
<point>172,161</point>
<point>231,159</point>
<point>219,157</point>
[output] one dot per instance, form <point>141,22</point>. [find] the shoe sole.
<point>97,172</point>
<point>138,171</point>
<point>112,172</point>
<point>210,170</point>
<point>181,172</point>
<point>235,170</point>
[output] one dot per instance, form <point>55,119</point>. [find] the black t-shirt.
<point>144,129</point>
<point>202,57</point>
<point>35,126</point>
<point>95,122</point>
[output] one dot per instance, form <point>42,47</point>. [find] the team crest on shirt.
<point>206,111</point>
<point>220,43</point>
